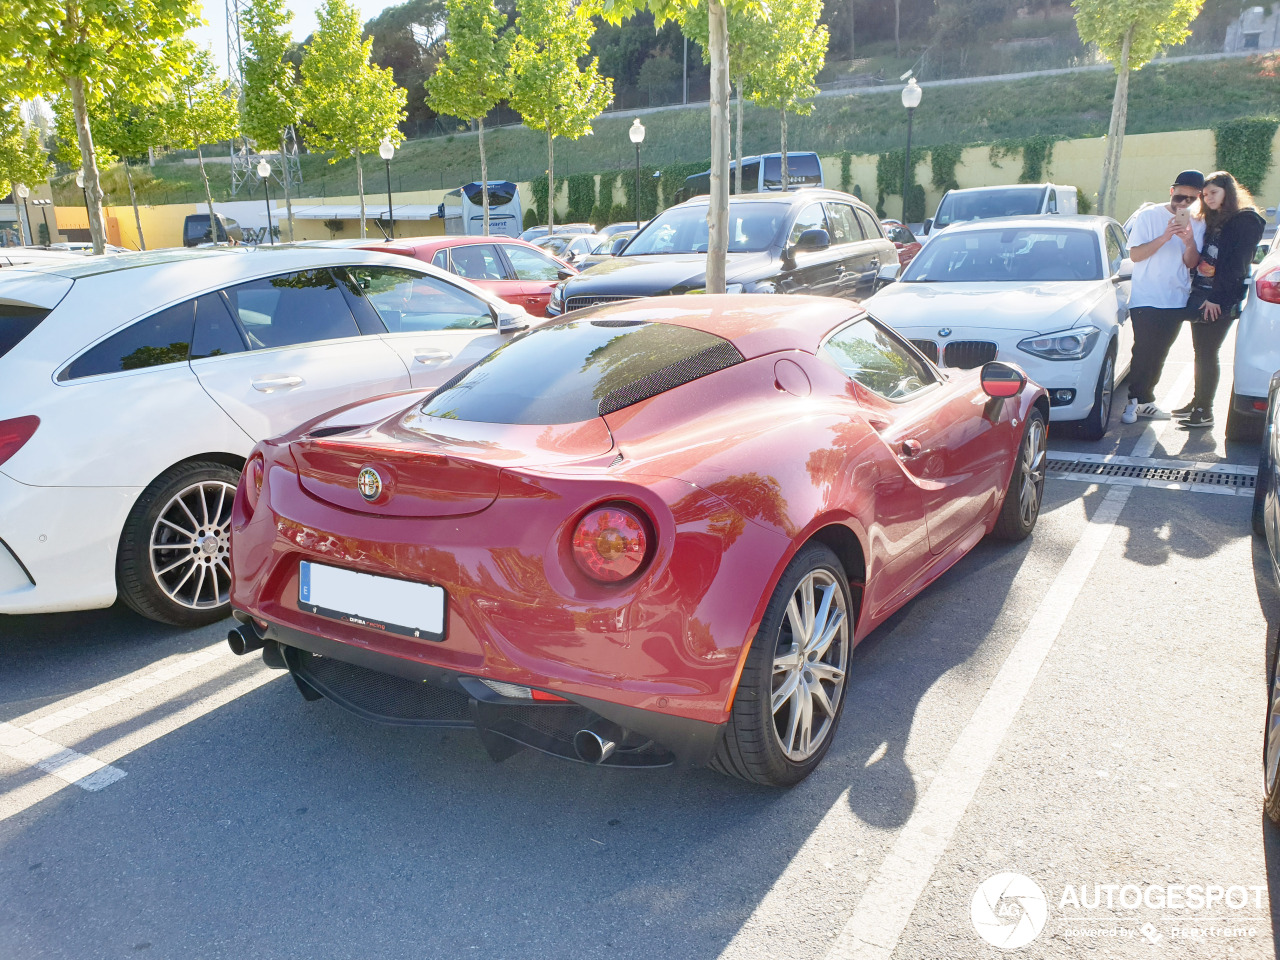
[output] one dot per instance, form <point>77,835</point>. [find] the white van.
<point>1014,200</point>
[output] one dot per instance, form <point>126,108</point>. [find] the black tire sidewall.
<point>135,582</point>
<point>1009,525</point>
<point>1095,425</point>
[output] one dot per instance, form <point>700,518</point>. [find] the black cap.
<point>1189,178</point>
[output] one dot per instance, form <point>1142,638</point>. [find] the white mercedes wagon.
<point>132,388</point>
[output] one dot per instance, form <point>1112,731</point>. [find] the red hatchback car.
<point>649,532</point>
<point>516,271</point>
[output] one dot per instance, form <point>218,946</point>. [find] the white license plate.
<point>381,603</point>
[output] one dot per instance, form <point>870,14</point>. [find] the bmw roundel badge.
<point>944,332</point>
<point>369,483</point>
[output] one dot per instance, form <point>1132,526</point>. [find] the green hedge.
<point>582,197</point>
<point>1243,149</point>
<point>943,159</point>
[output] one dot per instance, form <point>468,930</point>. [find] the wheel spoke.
<point>825,671</point>
<point>806,591</point>
<point>199,586</point>
<point>784,692</point>
<point>806,721</point>
<point>187,510</point>
<point>819,696</point>
<point>820,619</point>
<point>793,724</point>
<point>819,647</point>
<point>796,619</point>
<point>174,566</point>
<point>189,534</point>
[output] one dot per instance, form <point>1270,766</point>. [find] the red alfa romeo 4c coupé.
<point>649,532</point>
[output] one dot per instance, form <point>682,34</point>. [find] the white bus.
<point>463,210</point>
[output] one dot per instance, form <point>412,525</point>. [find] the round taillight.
<point>610,543</point>
<point>253,473</point>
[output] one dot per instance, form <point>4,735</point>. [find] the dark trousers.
<point>1154,331</point>
<point>1207,338</point>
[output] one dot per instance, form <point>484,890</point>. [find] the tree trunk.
<point>551,183</point>
<point>784,151</point>
<point>484,179</point>
<point>88,163</point>
<point>853,28</point>
<point>360,188</point>
<point>897,26</point>
<point>208,195</point>
<point>284,180</point>
<point>1115,133</point>
<point>718,214</point>
<point>738,133</point>
<point>133,199</point>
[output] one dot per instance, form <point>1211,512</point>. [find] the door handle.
<point>267,384</point>
<point>909,449</point>
<point>432,356</point>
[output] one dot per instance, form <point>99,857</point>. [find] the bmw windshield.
<point>753,227</point>
<point>1016,255</point>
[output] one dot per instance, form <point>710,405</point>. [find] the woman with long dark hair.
<point>1233,228</point>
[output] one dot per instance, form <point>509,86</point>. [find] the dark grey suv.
<point>819,242</point>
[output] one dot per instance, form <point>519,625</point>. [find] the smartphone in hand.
<point>1182,218</point>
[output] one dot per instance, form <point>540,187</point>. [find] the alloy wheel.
<point>1108,388</point>
<point>809,665</point>
<point>1032,464</point>
<point>1271,765</point>
<point>190,546</point>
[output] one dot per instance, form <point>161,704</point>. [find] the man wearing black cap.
<point>1163,253</point>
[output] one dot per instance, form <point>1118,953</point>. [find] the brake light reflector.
<point>253,473</point>
<point>14,433</point>
<point>610,543</point>
<point>1267,285</point>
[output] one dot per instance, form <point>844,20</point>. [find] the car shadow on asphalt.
<point>1264,579</point>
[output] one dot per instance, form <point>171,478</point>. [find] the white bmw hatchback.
<point>132,388</point>
<point>1050,294</point>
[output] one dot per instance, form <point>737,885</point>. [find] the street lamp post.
<point>264,171</point>
<point>23,191</point>
<point>911,94</point>
<point>386,150</point>
<point>636,133</point>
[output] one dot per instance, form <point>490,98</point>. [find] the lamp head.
<point>636,133</point>
<point>22,190</point>
<point>911,94</point>
<point>80,179</point>
<point>385,149</point>
<point>264,169</point>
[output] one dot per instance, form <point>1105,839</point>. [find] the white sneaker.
<point>1151,412</point>
<point>1130,414</point>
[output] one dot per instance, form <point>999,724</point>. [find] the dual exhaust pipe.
<point>245,638</point>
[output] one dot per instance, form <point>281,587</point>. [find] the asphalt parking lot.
<point>1084,709</point>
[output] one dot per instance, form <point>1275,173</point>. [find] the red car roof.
<point>756,324</point>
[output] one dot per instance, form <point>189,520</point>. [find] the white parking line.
<point>55,759</point>
<point>886,906</point>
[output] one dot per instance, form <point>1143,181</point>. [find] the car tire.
<point>1094,426</point>
<point>764,741</point>
<point>1021,507</point>
<point>174,564</point>
<point>1242,428</point>
<point>1261,485</point>
<point>1271,748</point>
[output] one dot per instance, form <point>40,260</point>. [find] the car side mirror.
<point>927,226</point>
<point>1125,271</point>
<point>1000,381</point>
<point>813,239</point>
<point>564,273</point>
<point>510,316</point>
<point>888,273</point>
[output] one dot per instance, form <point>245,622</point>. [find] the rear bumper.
<point>460,700</point>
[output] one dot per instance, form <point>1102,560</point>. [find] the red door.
<point>536,272</point>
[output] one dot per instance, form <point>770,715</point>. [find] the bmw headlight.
<point>557,296</point>
<point>1073,344</point>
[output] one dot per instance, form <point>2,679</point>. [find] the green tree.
<point>718,48</point>
<point>409,38</point>
<point>121,130</point>
<point>272,96</point>
<point>796,49</point>
<point>1129,33</point>
<point>22,159</point>
<point>52,47</point>
<point>548,88</point>
<point>473,76</point>
<point>202,110</point>
<point>348,105</point>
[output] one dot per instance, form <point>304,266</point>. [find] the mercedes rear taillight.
<point>14,433</point>
<point>1267,286</point>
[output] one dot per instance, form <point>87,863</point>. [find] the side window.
<point>870,226</point>
<point>844,224</point>
<point>811,218</point>
<point>161,338</point>
<point>408,301</point>
<point>530,264</point>
<point>1117,249</point>
<point>291,309</point>
<point>1053,201</point>
<point>751,177</point>
<point>216,333</point>
<point>441,259</point>
<point>478,261</point>
<point>869,354</point>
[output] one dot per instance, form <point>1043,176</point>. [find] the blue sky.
<point>214,33</point>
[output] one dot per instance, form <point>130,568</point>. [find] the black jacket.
<point>1229,252</point>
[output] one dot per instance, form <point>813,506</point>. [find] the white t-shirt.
<point>1161,280</point>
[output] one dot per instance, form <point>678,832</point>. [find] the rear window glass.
<point>575,371</point>
<point>16,321</point>
<point>801,168</point>
<point>161,338</point>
